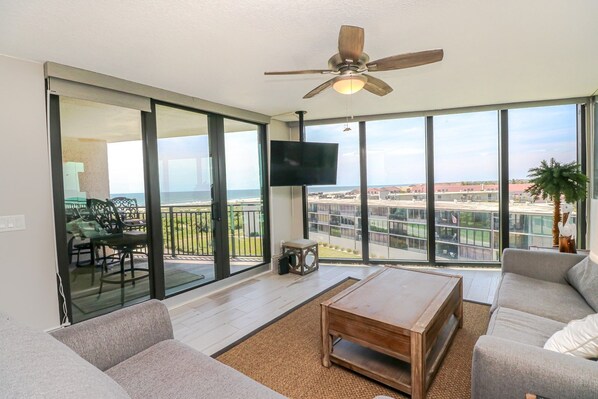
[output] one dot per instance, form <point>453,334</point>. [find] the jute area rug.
<point>285,356</point>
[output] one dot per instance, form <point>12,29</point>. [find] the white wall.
<point>27,258</point>
<point>281,225</point>
<point>286,214</point>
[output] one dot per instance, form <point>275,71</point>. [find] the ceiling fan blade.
<point>302,72</point>
<point>376,86</point>
<point>350,43</point>
<point>320,88</point>
<point>407,60</point>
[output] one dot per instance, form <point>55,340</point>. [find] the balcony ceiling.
<point>495,51</point>
<point>88,120</point>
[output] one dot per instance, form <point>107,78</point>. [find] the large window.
<point>396,173</point>
<point>334,212</point>
<point>467,209</point>
<point>536,134</point>
<point>466,186</point>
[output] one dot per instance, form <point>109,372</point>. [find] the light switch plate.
<point>12,223</point>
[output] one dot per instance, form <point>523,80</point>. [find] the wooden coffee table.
<point>395,326</point>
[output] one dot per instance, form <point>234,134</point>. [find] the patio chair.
<point>77,243</point>
<point>128,211</point>
<point>125,243</point>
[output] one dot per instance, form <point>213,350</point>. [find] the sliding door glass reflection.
<point>185,197</point>
<point>103,179</point>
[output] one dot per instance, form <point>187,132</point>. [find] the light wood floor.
<point>215,321</point>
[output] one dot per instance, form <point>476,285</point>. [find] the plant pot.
<point>567,245</point>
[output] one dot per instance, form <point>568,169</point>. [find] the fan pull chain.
<point>347,129</point>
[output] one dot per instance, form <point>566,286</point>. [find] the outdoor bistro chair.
<point>126,243</point>
<point>128,211</point>
<point>78,243</point>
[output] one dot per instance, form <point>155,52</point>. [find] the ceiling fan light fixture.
<point>349,84</point>
<point>350,64</point>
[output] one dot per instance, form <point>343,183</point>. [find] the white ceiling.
<point>496,51</point>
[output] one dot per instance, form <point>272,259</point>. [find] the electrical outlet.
<point>12,223</point>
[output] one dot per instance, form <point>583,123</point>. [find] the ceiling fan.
<point>350,65</point>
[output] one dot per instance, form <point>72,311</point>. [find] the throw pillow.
<point>584,278</point>
<point>578,338</point>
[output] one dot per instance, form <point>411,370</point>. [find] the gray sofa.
<point>532,302</point>
<point>130,353</point>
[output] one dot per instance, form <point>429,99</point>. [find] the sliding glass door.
<point>153,203</point>
<point>104,204</point>
<point>185,169</point>
<point>245,194</point>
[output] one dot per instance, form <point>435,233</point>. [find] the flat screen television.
<point>302,164</point>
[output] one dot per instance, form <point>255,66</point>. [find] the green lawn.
<point>327,252</point>
<point>244,246</point>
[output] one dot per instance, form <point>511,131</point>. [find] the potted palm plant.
<point>556,181</point>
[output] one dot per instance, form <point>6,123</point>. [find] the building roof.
<point>525,208</point>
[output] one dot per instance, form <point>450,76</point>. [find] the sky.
<point>465,148</point>
<point>184,163</point>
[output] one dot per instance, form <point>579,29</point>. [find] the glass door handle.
<point>215,212</point>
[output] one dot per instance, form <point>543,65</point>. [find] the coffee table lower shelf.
<point>387,369</point>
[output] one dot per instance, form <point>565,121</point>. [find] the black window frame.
<point>152,192</point>
<point>503,217</point>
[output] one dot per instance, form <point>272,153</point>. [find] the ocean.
<point>201,197</point>
<point>191,197</point>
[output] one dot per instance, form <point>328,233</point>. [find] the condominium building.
<point>467,222</point>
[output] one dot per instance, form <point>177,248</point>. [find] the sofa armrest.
<point>508,369</point>
<point>541,265</point>
<point>107,340</point>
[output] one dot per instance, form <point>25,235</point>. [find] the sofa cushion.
<point>584,278</point>
<point>171,369</point>
<point>522,327</point>
<point>108,340</point>
<point>559,302</point>
<point>35,365</point>
<point>578,338</point>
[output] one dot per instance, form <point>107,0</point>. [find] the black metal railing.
<point>188,231</point>
<point>246,228</point>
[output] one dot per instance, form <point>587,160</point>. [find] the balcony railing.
<point>188,231</point>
